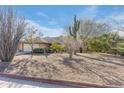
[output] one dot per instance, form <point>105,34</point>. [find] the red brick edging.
<point>57,82</point>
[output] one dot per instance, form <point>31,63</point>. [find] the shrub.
<point>38,50</point>
<point>50,50</point>
<point>121,53</point>
<point>57,47</point>
<point>113,51</point>
<point>120,49</point>
<point>42,50</point>
<point>105,43</point>
<point>98,45</point>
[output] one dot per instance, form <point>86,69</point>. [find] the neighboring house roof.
<point>42,41</point>
<point>45,40</point>
<point>54,39</point>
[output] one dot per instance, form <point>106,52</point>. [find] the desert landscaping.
<point>83,50</point>
<point>96,68</point>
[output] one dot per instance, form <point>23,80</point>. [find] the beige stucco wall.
<point>20,46</point>
<point>44,45</point>
<point>26,47</point>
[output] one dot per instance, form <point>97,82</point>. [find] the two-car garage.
<point>27,47</point>
<point>24,46</point>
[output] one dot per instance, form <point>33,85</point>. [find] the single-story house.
<point>25,46</point>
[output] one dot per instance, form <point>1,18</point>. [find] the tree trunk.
<point>32,53</point>
<point>7,59</point>
<point>45,53</point>
<point>81,50</point>
<point>4,65</point>
<point>75,52</point>
<point>70,54</point>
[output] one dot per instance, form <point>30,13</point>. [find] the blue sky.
<point>51,20</point>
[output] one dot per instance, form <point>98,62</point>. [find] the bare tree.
<point>89,29</point>
<point>31,36</point>
<point>71,45</point>
<point>11,31</point>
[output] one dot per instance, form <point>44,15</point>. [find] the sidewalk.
<point>15,83</point>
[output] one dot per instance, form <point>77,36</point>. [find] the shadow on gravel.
<point>3,66</point>
<point>103,60</point>
<point>86,67</point>
<point>30,67</point>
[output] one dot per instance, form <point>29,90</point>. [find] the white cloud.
<point>116,20</point>
<point>47,32</point>
<point>117,16</point>
<point>113,18</point>
<point>89,12</point>
<point>42,14</point>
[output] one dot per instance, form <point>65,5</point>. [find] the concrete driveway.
<point>23,52</point>
<point>15,83</point>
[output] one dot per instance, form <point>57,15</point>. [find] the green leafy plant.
<point>120,49</point>
<point>57,47</point>
<point>38,50</point>
<point>98,44</point>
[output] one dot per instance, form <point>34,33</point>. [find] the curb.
<point>57,82</point>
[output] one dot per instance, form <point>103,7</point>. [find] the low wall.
<point>57,82</point>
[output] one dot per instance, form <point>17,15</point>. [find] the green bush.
<point>113,51</point>
<point>57,47</point>
<point>120,49</point>
<point>49,50</point>
<point>38,50</point>
<point>98,45</point>
<point>121,53</point>
<point>106,43</point>
<point>42,50</point>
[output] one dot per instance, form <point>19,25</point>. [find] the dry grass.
<point>97,68</point>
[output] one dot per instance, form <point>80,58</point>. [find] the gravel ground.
<point>102,69</point>
<point>15,83</point>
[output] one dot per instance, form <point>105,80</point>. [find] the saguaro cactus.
<point>74,28</point>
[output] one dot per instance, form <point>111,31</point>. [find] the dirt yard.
<point>102,69</point>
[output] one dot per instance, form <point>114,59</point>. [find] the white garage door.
<point>27,47</point>
<point>35,45</point>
